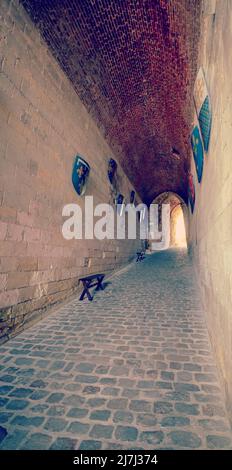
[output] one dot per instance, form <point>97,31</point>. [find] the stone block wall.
<point>43,126</point>
<point>211,223</point>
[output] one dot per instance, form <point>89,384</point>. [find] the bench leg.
<point>99,283</point>
<point>86,292</point>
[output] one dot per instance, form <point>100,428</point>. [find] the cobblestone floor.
<point>131,370</point>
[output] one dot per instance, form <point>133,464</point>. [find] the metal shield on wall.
<point>132,197</point>
<point>197,148</point>
<point>80,174</point>
<point>191,191</point>
<point>112,168</point>
<point>203,107</point>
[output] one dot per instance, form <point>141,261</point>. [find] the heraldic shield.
<point>80,175</point>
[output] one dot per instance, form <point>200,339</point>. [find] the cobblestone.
<point>90,445</point>
<point>55,424</point>
<point>14,439</point>
<point>132,369</point>
<point>64,443</point>
<point>37,441</point>
<point>100,415</point>
<point>152,437</point>
<point>126,433</point>
<point>163,407</point>
<point>185,439</point>
<point>123,416</point>
<point>101,431</point>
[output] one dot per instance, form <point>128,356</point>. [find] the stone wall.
<point>43,126</point>
<point>211,223</point>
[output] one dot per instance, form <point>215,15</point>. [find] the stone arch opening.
<point>178,219</point>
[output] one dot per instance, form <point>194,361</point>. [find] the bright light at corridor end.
<point>178,231</point>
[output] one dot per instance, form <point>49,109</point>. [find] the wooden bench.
<point>91,281</point>
<point>140,256</point>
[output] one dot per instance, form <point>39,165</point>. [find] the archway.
<point>178,221</point>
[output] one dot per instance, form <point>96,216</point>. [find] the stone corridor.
<point>131,370</point>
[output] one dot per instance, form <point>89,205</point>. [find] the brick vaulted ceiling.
<point>132,63</point>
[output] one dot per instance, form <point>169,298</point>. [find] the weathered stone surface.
<point>24,421</point>
<point>126,433</point>
<point>38,384</point>
<point>214,425</point>
<point>39,394</point>
<point>123,416</point>
<point>90,390</point>
<point>207,250</point>
<point>17,404</point>
<point>95,402</point>
<point>101,431</point>
<point>67,416</point>
<point>218,442</point>
<point>146,420</point>
<point>37,441</point>
<point>187,409</point>
<point>64,443</point>
<point>152,437</point>
<point>140,405</point>
<point>112,391</point>
<point>55,424</point>
<point>38,267</point>
<point>56,410</point>
<point>100,415</point>
<point>14,440</point>
<point>185,439</point>
<point>175,421</point>
<point>4,417</point>
<point>163,407</point>
<point>117,403</point>
<point>77,413</point>
<point>21,392</point>
<point>85,367</point>
<point>78,427</point>
<point>90,445</point>
<point>55,397</point>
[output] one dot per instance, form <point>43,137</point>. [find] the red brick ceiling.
<point>133,63</point>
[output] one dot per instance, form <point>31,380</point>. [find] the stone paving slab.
<point>131,370</point>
